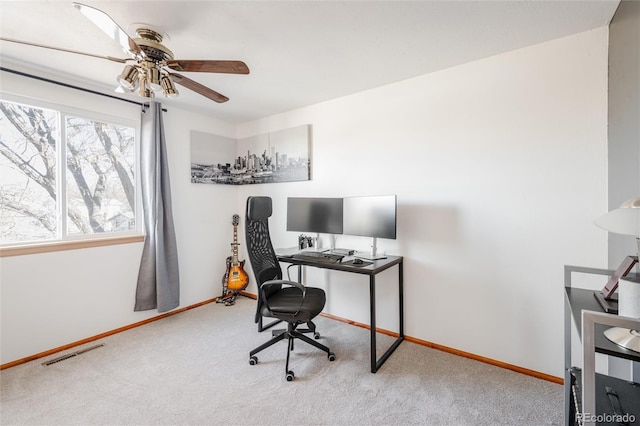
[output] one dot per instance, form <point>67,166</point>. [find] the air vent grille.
<point>71,355</point>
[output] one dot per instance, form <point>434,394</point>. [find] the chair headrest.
<point>259,208</point>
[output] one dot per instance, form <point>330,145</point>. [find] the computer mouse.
<point>357,261</point>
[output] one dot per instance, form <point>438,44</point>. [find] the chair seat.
<point>286,303</point>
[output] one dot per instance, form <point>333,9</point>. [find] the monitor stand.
<point>373,254</point>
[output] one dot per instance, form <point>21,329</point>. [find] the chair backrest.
<point>262,256</point>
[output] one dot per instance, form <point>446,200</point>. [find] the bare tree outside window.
<point>99,177</point>
<point>100,182</point>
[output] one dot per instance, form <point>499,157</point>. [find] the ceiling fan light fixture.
<point>153,79</point>
<point>168,87</point>
<point>144,90</point>
<point>146,93</point>
<point>128,78</point>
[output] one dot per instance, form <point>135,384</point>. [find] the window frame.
<point>63,240</point>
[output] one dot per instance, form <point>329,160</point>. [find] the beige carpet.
<point>193,369</point>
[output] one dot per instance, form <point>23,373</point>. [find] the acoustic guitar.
<point>235,278</point>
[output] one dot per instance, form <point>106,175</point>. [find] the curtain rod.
<point>71,86</point>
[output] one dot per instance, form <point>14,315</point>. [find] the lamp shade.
<point>153,79</point>
<point>624,220</point>
<point>128,78</point>
<point>168,87</point>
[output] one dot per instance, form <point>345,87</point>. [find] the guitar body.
<point>235,278</point>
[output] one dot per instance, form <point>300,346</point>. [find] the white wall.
<point>499,166</point>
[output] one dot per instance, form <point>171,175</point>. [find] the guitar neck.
<point>235,244</point>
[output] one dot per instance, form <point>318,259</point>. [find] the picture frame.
<point>279,156</point>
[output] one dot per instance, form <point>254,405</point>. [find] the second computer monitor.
<point>370,216</point>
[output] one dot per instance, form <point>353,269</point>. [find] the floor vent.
<point>71,355</point>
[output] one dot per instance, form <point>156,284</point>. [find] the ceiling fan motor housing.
<point>150,43</point>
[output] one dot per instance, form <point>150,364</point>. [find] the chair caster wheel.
<point>332,356</point>
<point>253,360</point>
<point>316,336</point>
<point>290,376</point>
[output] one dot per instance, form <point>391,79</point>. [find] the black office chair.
<point>284,300</point>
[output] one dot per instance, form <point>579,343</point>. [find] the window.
<point>65,175</point>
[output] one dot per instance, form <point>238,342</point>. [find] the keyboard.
<point>313,256</point>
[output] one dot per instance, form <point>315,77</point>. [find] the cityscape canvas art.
<point>280,156</point>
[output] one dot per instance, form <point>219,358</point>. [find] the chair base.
<point>311,328</point>
<point>290,334</point>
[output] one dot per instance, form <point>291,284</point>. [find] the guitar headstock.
<point>235,220</point>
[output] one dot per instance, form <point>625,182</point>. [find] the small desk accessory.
<point>607,297</point>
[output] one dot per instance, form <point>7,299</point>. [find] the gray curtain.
<point>158,280</point>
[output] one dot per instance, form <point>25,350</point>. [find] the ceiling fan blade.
<point>199,88</point>
<point>111,28</point>
<point>228,67</point>
<point>110,58</point>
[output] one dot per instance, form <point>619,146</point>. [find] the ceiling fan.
<point>150,65</point>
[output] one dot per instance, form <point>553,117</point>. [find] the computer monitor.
<point>319,215</point>
<point>370,216</point>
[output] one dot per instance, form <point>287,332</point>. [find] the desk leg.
<point>375,363</point>
<point>567,363</point>
<point>401,299</point>
<point>372,321</point>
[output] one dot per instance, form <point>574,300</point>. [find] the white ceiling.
<point>299,52</point>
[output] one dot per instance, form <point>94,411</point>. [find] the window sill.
<point>68,245</point>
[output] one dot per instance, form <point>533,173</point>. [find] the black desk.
<point>581,299</point>
<point>590,384</point>
<point>371,270</point>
